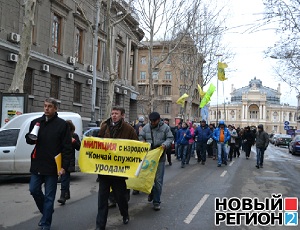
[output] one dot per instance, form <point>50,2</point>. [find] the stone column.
<point>260,112</point>
<point>243,112</point>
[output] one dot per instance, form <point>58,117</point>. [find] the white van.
<point>15,152</point>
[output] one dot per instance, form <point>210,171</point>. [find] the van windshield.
<point>9,137</point>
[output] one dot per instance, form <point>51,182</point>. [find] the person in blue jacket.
<point>183,135</point>
<point>203,133</point>
<point>221,135</point>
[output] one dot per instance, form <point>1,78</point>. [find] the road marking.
<point>196,209</point>
<point>231,163</point>
<point>223,173</point>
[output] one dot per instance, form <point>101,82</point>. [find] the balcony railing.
<point>164,97</point>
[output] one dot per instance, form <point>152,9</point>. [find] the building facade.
<point>61,55</point>
<point>177,73</point>
<point>256,104</point>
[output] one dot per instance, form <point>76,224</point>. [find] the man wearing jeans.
<point>262,142</point>
<point>157,133</point>
<point>53,137</point>
<point>221,135</point>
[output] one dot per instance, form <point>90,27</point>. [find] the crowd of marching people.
<point>222,142</point>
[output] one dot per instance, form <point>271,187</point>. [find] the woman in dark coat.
<point>65,178</point>
<point>248,140</point>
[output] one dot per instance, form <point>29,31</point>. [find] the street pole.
<point>224,102</point>
<point>218,55</point>
<point>217,100</point>
<point>95,53</point>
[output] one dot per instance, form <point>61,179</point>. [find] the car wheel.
<point>293,152</point>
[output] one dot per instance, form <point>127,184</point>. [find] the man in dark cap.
<point>157,133</point>
<point>203,133</point>
<point>262,142</point>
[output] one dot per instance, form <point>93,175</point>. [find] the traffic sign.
<point>286,127</point>
<point>286,123</point>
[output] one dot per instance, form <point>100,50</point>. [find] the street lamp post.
<point>95,52</point>
<point>218,55</point>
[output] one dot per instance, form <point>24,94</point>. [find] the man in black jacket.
<point>262,142</point>
<point>53,137</point>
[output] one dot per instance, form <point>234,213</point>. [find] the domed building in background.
<point>256,104</point>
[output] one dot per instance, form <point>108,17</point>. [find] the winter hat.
<point>154,116</point>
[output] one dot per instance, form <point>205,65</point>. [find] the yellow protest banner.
<point>145,180</point>
<point>106,156</point>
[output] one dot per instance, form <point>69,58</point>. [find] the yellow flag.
<point>181,100</point>
<point>201,92</point>
<point>221,71</point>
<point>207,96</point>
<point>144,181</point>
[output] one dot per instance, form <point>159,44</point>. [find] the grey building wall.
<point>11,18</point>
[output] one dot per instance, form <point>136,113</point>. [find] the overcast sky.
<point>249,60</point>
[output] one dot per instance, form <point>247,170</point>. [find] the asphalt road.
<point>188,199</point>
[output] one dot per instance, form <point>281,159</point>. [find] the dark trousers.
<point>247,147</point>
<point>212,149</point>
<point>65,182</point>
<point>233,151</point>
<point>201,151</point>
<point>119,189</point>
<point>169,152</point>
<point>189,153</point>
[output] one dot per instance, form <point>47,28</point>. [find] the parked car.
<point>273,139</point>
<point>270,137</point>
<point>294,145</point>
<point>91,132</point>
<point>283,139</point>
<point>15,152</point>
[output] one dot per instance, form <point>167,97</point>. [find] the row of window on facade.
<point>255,115</point>
<point>155,60</point>
<point>57,41</point>
<point>167,76</point>
<point>165,90</point>
<point>55,87</point>
<point>166,108</point>
<point>158,90</point>
<point>182,57</point>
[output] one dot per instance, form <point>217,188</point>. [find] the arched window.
<point>254,112</point>
<point>275,114</point>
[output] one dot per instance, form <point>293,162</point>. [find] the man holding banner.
<point>157,133</point>
<point>114,127</point>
